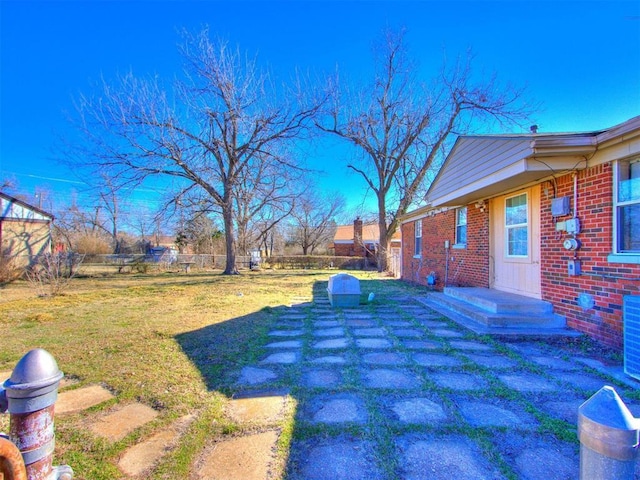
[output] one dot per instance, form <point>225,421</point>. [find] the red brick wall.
<point>605,282</point>
<point>344,249</point>
<point>468,267</point>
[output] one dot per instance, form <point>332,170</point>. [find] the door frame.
<point>515,274</point>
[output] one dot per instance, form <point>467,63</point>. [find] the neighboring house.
<point>360,240</point>
<point>25,230</point>
<point>554,217</point>
<point>363,240</point>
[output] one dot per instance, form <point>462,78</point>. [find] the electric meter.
<point>571,244</point>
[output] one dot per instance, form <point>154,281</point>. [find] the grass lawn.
<point>169,340</point>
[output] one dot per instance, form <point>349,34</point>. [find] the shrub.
<point>93,244</point>
<point>8,269</point>
<point>52,273</point>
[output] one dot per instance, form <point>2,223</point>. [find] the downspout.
<point>575,195</point>
<point>446,264</point>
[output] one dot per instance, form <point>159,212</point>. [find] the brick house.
<point>25,230</point>
<point>361,240</point>
<point>554,217</point>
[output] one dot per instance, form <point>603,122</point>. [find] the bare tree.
<point>201,232</point>
<point>206,134</point>
<point>400,127</point>
<point>314,219</point>
<point>83,230</point>
<point>264,197</point>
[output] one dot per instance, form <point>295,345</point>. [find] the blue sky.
<point>579,59</point>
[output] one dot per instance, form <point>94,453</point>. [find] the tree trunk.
<point>230,267</point>
<point>383,243</point>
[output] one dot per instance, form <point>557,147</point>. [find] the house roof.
<point>482,166</point>
<point>370,234</point>
<point>14,208</point>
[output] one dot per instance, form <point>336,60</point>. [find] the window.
<point>517,226</point>
<point>627,206</point>
<point>461,226</point>
<point>418,243</point>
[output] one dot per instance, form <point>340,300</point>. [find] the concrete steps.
<point>487,311</point>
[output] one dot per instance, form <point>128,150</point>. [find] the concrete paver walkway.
<point>403,393</point>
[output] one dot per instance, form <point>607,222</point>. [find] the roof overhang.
<point>484,166</point>
<point>519,174</point>
<point>538,157</point>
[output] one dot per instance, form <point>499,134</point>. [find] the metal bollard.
<point>31,393</point>
<point>608,435</point>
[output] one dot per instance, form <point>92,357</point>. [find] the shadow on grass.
<point>220,350</point>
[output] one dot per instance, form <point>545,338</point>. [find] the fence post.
<point>608,435</point>
<point>31,393</point>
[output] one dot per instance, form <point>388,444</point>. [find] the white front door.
<point>515,242</point>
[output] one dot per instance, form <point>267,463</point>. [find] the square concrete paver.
<point>443,458</point>
<point>407,333</point>
<point>587,383</point>
<point>470,345</point>
<point>445,333</point>
<point>491,361</point>
<point>285,344</point>
<point>543,458</point>
<point>246,457</point>
<point>537,463</point>
<point>373,343</point>
<point>82,398</point>
<point>526,382</point>
<point>346,408</point>
<point>329,332</point>
<point>285,333</point>
<point>122,421</point>
<point>554,362</point>
<point>369,332</point>
<point>336,459</point>
<point>255,376</point>
<point>566,410</point>
<point>418,410</point>
<point>259,409</point>
<point>360,323</point>
<point>430,323</point>
<point>483,414</point>
<point>357,315</point>
<point>459,381</point>
<point>384,358</point>
<point>326,323</point>
<point>321,378</point>
<point>396,323</point>
<point>329,359</point>
<point>435,360</point>
<point>333,343</point>
<point>281,357</point>
<point>143,456</point>
<point>392,379</point>
<point>421,345</point>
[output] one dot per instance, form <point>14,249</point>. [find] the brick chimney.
<point>358,246</point>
